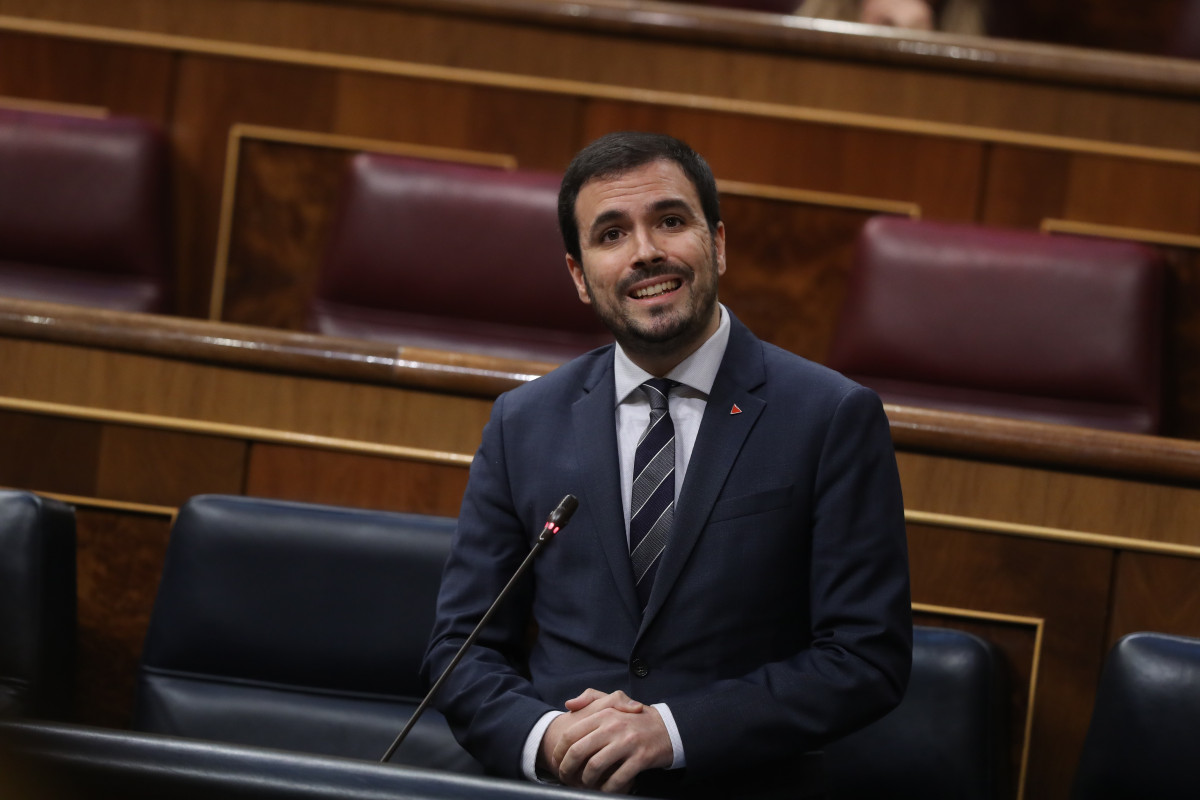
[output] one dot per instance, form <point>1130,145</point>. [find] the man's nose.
<point>646,247</point>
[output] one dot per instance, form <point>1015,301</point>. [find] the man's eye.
<point>610,235</point>
<point>672,222</point>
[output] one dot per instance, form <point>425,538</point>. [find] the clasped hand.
<point>604,740</point>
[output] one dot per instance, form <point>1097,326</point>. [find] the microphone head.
<point>561,514</point>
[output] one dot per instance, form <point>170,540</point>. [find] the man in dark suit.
<point>733,590</point>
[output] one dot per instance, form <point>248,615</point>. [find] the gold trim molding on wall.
<point>1165,238</point>
<point>384,66</point>
<point>852,202</point>
<point>244,432</point>
<point>53,107</point>
<point>334,444</point>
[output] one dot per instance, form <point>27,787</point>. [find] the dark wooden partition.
<point>1050,541</point>
<point>263,100</point>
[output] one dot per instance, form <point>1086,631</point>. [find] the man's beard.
<point>678,330</point>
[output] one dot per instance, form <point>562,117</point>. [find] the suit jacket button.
<point>640,668</point>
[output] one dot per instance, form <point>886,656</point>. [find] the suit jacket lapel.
<point>593,419</point>
<point>721,435</point>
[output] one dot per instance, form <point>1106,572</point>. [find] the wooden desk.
<point>1050,541</point>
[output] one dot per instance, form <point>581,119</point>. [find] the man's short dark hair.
<point>617,153</point>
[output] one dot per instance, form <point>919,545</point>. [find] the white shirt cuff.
<point>668,719</point>
<point>533,743</point>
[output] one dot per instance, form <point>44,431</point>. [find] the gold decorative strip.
<point>1038,624</point>
<point>562,86</point>
<point>240,132</point>
<point>1144,235</point>
<point>106,505</point>
<point>52,107</point>
<point>810,197</point>
<point>1051,534</point>
<point>337,141</point>
<point>249,433</point>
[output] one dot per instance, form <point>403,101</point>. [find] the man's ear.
<point>719,242</point>
<point>576,270</point>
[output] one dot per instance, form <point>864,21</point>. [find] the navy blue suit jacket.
<point>780,615</point>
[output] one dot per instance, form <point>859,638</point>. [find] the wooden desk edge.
<point>290,352</point>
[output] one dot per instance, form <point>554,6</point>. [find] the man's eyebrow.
<point>612,215</point>
<point>672,204</point>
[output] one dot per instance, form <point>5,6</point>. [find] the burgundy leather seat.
<point>450,256</point>
<point>84,211</point>
<point>1004,322</point>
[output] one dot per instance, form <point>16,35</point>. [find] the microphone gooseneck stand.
<point>554,523</point>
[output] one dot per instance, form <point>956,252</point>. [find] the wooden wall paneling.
<point>46,454</point>
<point>1024,185</point>
<point>129,383</point>
<point>539,129</point>
<point>161,467</point>
<point>283,213</point>
<point>942,176</point>
<point>1074,505</point>
<point>1155,593</point>
<point>1019,642</point>
<point>119,559</point>
<point>1135,193</point>
<point>211,96</point>
<point>759,61</point>
<point>1065,585</point>
<point>354,479</point>
<point>124,80</point>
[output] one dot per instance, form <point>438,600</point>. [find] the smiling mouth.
<point>657,289</point>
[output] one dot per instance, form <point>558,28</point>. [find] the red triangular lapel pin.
<point>735,409</point>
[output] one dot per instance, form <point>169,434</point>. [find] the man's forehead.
<point>651,184</point>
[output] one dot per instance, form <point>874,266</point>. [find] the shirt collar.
<point>698,371</point>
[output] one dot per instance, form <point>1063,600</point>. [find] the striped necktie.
<point>653,501</point>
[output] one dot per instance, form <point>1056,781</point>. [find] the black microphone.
<point>555,522</point>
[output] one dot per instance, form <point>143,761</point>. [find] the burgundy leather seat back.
<point>455,257</point>
<point>1012,323</point>
<point>84,211</point>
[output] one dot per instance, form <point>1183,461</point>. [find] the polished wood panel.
<point>48,454</point>
<point>145,465</point>
<point>132,383</point>
<point>1155,593</point>
<point>1150,511</point>
<point>210,97</point>
<point>940,175</point>
<point>351,479</point>
<point>120,557</point>
<point>119,79</point>
<point>990,132</point>
<point>1065,585</point>
<point>286,203</point>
